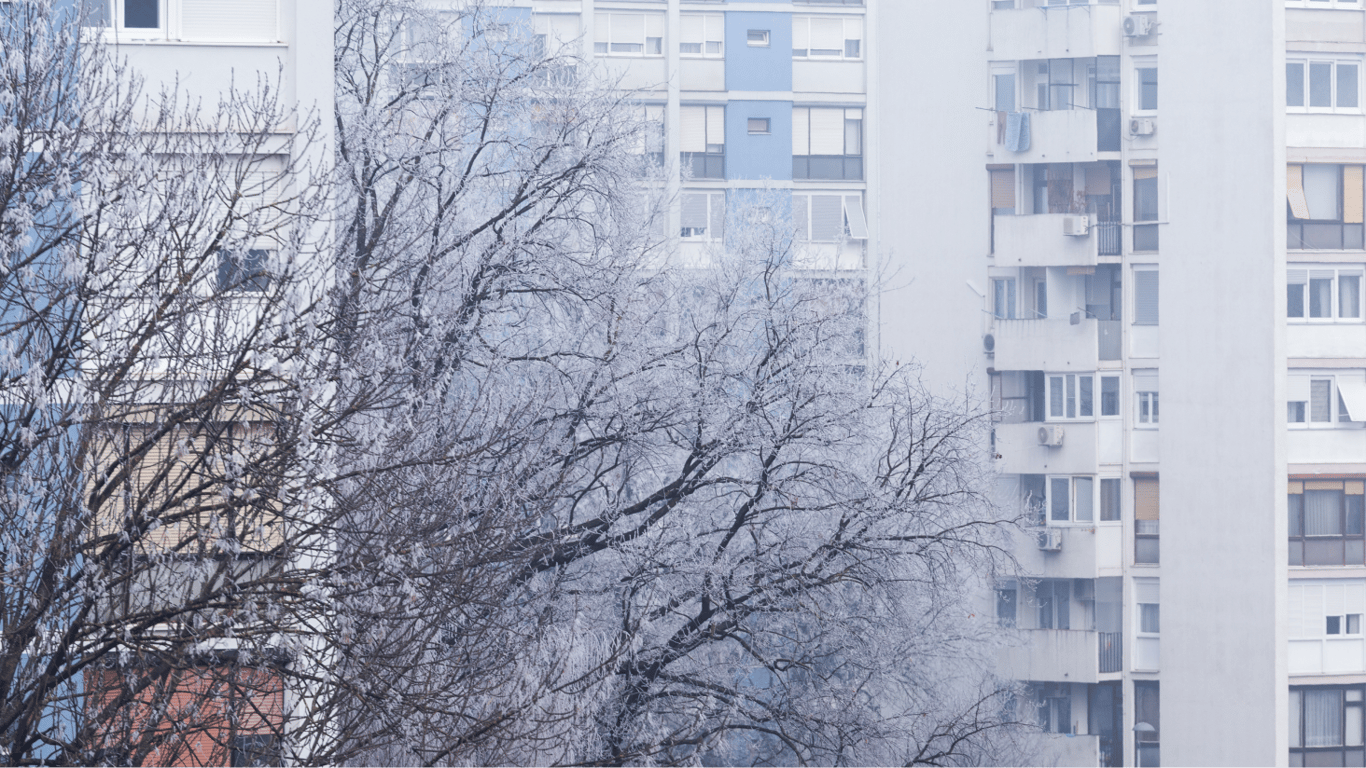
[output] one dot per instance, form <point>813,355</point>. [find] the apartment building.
<point>1136,185</point>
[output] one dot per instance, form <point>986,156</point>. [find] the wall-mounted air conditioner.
<point>1050,436</point>
<point>1050,540</point>
<point>989,344</point>
<point>1076,226</point>
<point>1142,126</point>
<point>1138,26</point>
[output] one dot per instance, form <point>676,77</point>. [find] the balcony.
<point>1047,345</point>
<point>1055,655</point>
<point>1067,750</point>
<point>1074,559</point>
<point>1327,656</point>
<point>1111,651</point>
<point>1056,32</point>
<point>1063,136</point>
<point>1037,240</point>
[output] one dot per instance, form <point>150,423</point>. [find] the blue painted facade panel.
<point>753,68</point>
<point>759,156</point>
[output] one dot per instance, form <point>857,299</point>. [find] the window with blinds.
<point>702,141</point>
<point>1002,190</point>
<point>827,37</point>
<point>1324,294</point>
<point>827,143</point>
<point>1325,399</point>
<point>243,20</point>
<point>1326,524</point>
<point>1327,725</point>
<point>829,217</point>
<point>703,216</point>
<point>1145,297</point>
<point>628,34</point>
<point>1324,207</point>
<point>1145,208</point>
<point>701,34</point>
<point>1146,409</point>
<point>1146,530</point>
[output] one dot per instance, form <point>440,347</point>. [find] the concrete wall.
<point>1223,642</point>
<point>758,156</point>
<point>759,69</point>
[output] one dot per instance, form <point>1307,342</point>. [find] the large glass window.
<point>702,139</point>
<point>1324,207</point>
<point>1326,725</point>
<point>1145,208</point>
<point>827,143</point>
<point>1326,523</point>
<point>1323,85</point>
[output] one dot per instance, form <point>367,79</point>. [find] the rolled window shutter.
<point>718,215</point>
<point>827,218</point>
<point>1145,500</point>
<point>1142,172</point>
<point>799,216</point>
<point>245,20</point>
<point>801,32</point>
<point>1297,391</point>
<point>1145,297</point>
<point>801,131</point>
<point>1147,590</point>
<point>602,29</point>
<point>1297,276</point>
<point>853,29</point>
<point>694,211</point>
<point>1294,191</point>
<point>691,28</point>
<point>716,125</point>
<point>1321,191</point>
<point>1354,488</point>
<point>1145,380</point>
<point>565,26</point>
<point>692,129</point>
<point>853,213</point>
<point>628,28</point>
<point>827,131</point>
<point>654,24</point>
<point>827,34</point>
<point>1296,487</point>
<point>1352,209</point>
<point>1003,188</point>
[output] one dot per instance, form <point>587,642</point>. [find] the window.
<point>829,217</point>
<point>1147,709</point>
<point>1109,395</point>
<point>1071,396</point>
<point>1002,190</point>
<point>243,271</point>
<point>1147,605</point>
<point>1326,725</point>
<point>1325,294</point>
<point>827,143</point>
<point>1006,604</point>
<point>1110,499</point>
<point>1326,523</point>
<point>827,37</point>
<point>255,750</point>
<point>1071,499</point>
<point>757,38</point>
<point>628,34</point>
<point>1324,207</point>
<point>758,126</point>
<point>650,142</point>
<point>1003,85</point>
<point>702,216</point>
<point>1003,298</point>
<point>1053,601</point>
<point>1323,85</point>
<point>1325,400</point>
<point>1104,77</point>
<point>1056,84</point>
<point>702,138</point>
<point>1147,89</point>
<point>1145,297</point>
<point>701,34</point>
<point>1146,515</point>
<point>1054,706</point>
<point>1145,207</point>
<point>1146,409</point>
<point>554,31</point>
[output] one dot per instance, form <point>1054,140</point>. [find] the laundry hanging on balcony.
<point>1017,131</point>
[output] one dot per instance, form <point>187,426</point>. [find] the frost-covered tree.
<point>445,458</point>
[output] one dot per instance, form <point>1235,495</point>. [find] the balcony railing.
<point>1111,651</point>
<point>1109,239</point>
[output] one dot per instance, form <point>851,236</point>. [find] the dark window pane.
<point>1323,552</point>
<point>1294,300</point>
<point>1347,85</point>
<point>140,14</point>
<point>1354,515</point>
<point>1146,550</point>
<point>1294,85</point>
<point>1297,553</point>
<point>801,167</point>
<point>1145,238</point>
<point>1320,84</point>
<point>1296,507</point>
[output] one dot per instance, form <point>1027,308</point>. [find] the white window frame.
<point>1306,275</point>
<point>852,31</point>
<point>712,44</point>
<point>554,30</point>
<point>1146,592</point>
<point>855,226</point>
<point>1302,384</point>
<point>118,31</point>
<point>650,21</point>
<point>1100,396</point>
<point>1139,65</point>
<point>1078,487</point>
<point>1005,298</point>
<point>1146,399</point>
<point>1306,60</point>
<point>802,119</point>
<point>764,38</point>
<point>764,124</point>
<point>1069,387</point>
<point>1133,295</point>
<point>714,232</point>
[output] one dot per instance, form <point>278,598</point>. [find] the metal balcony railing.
<point>1111,651</point>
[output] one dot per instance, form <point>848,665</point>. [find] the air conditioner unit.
<point>1076,226</point>
<point>1050,540</point>
<point>1138,26</point>
<point>1142,126</point>
<point>989,344</point>
<point>1050,436</point>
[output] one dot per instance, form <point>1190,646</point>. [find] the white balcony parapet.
<point>1056,32</point>
<point>1046,345</point>
<point>1038,241</point>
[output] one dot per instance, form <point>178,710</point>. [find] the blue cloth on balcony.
<point>1017,131</point>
